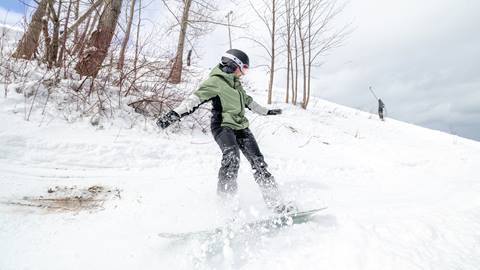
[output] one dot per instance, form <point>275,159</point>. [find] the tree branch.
<point>83,17</point>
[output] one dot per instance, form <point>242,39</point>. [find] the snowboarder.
<point>229,127</point>
<point>381,107</point>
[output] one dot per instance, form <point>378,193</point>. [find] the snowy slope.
<point>399,196</point>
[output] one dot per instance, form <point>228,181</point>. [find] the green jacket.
<point>229,100</point>
<point>232,97</point>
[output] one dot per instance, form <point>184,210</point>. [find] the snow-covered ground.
<point>73,196</point>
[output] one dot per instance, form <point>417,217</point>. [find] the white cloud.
<point>10,18</point>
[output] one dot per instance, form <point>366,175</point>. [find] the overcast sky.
<point>421,57</point>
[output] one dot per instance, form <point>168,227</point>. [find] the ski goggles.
<point>243,67</point>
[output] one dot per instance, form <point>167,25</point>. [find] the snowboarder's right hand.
<point>168,119</point>
<point>274,111</point>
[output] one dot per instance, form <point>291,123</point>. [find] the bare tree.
<point>295,35</point>
<point>176,74</point>
<point>197,19</point>
<point>137,40</point>
<point>29,42</point>
<point>268,13</point>
<point>272,58</point>
<point>302,36</point>
<point>54,44</point>
<point>97,46</point>
<point>46,38</point>
<point>289,31</point>
<point>121,58</point>
<point>137,51</point>
<point>61,58</point>
<point>76,13</point>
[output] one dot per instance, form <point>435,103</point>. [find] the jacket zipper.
<point>241,99</point>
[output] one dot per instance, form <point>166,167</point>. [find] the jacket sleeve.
<point>204,93</point>
<point>254,106</point>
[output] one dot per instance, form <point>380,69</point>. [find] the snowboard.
<point>267,224</point>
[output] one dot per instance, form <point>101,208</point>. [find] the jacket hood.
<point>229,78</point>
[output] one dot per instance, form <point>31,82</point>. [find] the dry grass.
<point>69,199</point>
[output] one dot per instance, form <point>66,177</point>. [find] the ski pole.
<point>373,93</point>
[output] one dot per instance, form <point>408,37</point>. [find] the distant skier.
<point>381,108</point>
<point>229,127</point>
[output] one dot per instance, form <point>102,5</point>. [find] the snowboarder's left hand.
<point>274,112</point>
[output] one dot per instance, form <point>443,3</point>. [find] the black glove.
<point>274,112</point>
<point>168,119</point>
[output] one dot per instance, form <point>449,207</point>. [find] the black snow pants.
<point>231,142</point>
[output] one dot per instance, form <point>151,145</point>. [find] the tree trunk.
<point>295,90</point>
<point>287,92</point>
<point>121,58</point>
<point>55,36</point>
<point>309,68</point>
<point>302,47</point>
<point>46,39</point>
<point>76,13</point>
<point>292,75</point>
<point>29,42</point>
<point>304,65</point>
<point>97,46</point>
<point>176,73</point>
<point>289,46</point>
<point>137,49</point>
<point>272,60</point>
<point>61,58</point>
<point>137,40</point>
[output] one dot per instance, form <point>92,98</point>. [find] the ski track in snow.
<point>399,196</point>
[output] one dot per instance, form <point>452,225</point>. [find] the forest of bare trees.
<point>100,43</point>
<point>298,33</point>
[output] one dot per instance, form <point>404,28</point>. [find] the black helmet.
<point>237,57</point>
